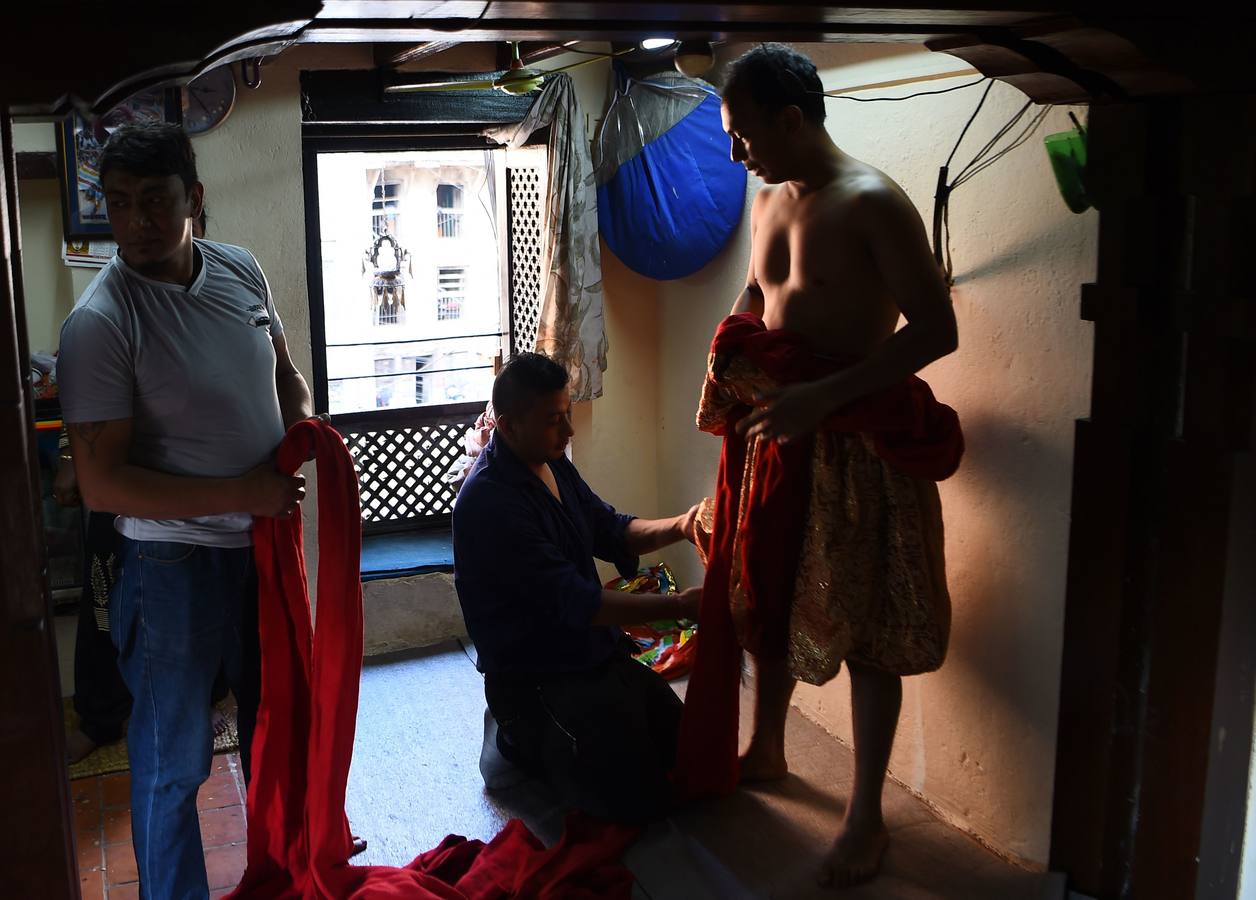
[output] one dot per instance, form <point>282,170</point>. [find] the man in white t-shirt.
<point>177,386</point>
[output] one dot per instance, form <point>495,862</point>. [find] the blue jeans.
<point>176,612</point>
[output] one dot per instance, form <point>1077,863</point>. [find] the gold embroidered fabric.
<point>871,580</point>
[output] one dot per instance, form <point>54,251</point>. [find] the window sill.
<point>401,555</point>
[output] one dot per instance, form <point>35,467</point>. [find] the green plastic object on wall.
<point>1067,152</point>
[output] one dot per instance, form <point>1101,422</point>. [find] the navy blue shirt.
<point>523,565</point>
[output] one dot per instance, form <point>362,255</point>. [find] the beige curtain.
<point>571,330</point>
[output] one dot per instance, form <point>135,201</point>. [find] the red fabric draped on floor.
<point>911,431</point>
<point>298,836</point>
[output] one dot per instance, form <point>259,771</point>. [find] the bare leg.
<point>764,759</point>
<point>78,746</point>
<point>875,702</point>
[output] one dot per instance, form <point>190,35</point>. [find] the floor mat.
<point>112,757</point>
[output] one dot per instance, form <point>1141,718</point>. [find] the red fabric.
<point>911,431</point>
<point>298,836</point>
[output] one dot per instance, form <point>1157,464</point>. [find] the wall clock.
<point>208,100</point>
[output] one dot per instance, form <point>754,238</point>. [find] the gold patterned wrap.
<point>871,579</point>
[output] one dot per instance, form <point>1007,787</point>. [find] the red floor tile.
<point>90,855</point>
<point>222,826</point>
<point>86,790</point>
<point>219,791</point>
<point>103,823</point>
<point>92,884</point>
<point>117,826</point>
<point>124,892</point>
<point>222,763</point>
<point>87,819</point>
<point>225,865</point>
<point>120,865</point>
<point>116,791</point>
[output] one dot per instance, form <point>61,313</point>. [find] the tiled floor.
<point>415,779</point>
<point>102,815</point>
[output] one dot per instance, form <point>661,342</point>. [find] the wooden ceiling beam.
<point>391,56</point>
<point>1054,54</point>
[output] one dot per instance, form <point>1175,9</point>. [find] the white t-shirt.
<point>192,367</point>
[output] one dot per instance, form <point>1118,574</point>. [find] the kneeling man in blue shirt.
<point>571,705</point>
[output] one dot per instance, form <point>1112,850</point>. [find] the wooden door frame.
<point>1064,57</point>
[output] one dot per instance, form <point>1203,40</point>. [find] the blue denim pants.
<point>176,612</point>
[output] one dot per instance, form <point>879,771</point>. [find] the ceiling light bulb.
<point>657,43</point>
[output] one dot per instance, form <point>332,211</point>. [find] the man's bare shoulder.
<point>868,187</point>
<point>875,205</point>
<point>762,197</point>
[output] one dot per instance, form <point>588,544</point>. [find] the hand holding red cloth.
<point>298,836</point>
<point>759,539</point>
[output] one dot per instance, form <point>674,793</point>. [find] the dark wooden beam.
<point>37,835</point>
<point>478,14</point>
<point>533,53</point>
<point>1146,692</point>
<point>150,51</point>
<point>1054,54</point>
<point>393,55</point>
<point>355,97</point>
<point>611,29</point>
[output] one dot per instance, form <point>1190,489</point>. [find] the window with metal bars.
<point>449,210</point>
<point>403,400</point>
<point>449,293</point>
<point>384,207</point>
<point>526,203</point>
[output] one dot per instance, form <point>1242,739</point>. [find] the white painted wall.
<point>617,439</point>
<point>977,739</point>
<point>51,287</point>
<point>48,282</point>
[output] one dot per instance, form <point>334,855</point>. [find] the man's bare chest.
<point>806,249</point>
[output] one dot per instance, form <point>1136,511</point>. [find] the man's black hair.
<point>150,148</point>
<point>524,378</point>
<point>776,76</point>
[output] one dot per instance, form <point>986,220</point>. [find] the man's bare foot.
<point>759,764</point>
<point>78,747</point>
<point>855,857</point>
<point>218,722</point>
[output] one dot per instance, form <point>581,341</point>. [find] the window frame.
<point>352,139</point>
<point>380,137</point>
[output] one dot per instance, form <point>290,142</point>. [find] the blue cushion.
<point>407,553</point>
<point>669,210</point>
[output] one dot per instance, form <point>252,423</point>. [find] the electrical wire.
<point>982,160</point>
<point>841,96</point>
<point>942,196</point>
<point>1024,136</point>
<point>990,144</point>
<point>567,49</point>
<point>968,124</point>
<point>941,212</point>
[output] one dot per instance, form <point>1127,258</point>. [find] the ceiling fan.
<point>518,79</point>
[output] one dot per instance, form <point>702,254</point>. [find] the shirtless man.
<point>838,253</point>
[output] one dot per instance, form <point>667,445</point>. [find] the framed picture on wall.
<point>79,142</point>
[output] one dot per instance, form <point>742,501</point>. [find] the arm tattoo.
<point>89,433</point>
